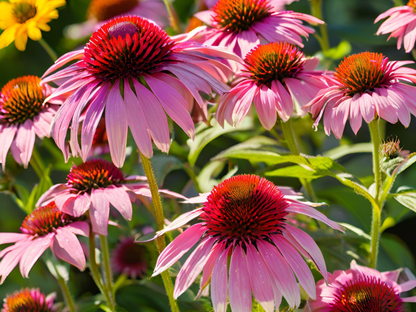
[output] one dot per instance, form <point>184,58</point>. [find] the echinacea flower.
<point>278,5</point>
<point>240,25</point>
<point>101,11</point>
<point>23,18</point>
<point>45,227</point>
<point>361,289</point>
<point>401,23</point>
<point>29,300</point>
<point>244,221</point>
<point>275,77</point>
<point>94,185</point>
<point>23,115</point>
<point>365,85</point>
<point>129,258</point>
<point>135,72</point>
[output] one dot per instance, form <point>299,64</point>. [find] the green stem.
<point>316,10</point>
<point>96,276</point>
<point>108,274</point>
<point>174,19</point>
<point>376,222</point>
<point>160,220</point>
<point>48,49</point>
<point>290,138</point>
<point>67,295</point>
<point>36,163</point>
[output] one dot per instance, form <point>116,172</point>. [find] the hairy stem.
<point>67,295</point>
<point>160,220</point>
<point>108,273</point>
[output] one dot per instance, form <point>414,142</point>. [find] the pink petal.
<point>173,103</point>
<point>6,139</point>
<point>260,279</point>
<point>77,205</point>
<point>10,260</point>
<point>137,121</point>
<point>116,125</point>
<point>7,238</point>
<point>68,57</point>
<point>247,40</point>
<point>265,102</point>
<point>99,211</point>
<point>23,143</point>
<point>178,247</point>
<point>120,200</point>
<point>68,248</point>
<point>192,267</point>
<point>155,117</point>
<point>79,228</point>
<point>34,250</point>
<point>219,283</point>
<point>283,98</point>
<point>209,266</point>
<point>180,221</point>
<point>239,287</point>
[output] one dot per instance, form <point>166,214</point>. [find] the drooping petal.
<point>219,289</point>
<point>120,200</point>
<point>68,248</point>
<point>33,252</point>
<point>99,211</point>
<point>239,285</point>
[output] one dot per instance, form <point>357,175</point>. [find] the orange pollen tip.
<point>361,72</point>
<point>28,300</point>
<point>21,99</point>
<point>239,15</point>
<point>104,10</point>
<point>274,61</point>
<point>412,3</point>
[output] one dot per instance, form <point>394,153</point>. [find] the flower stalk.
<point>375,223</point>
<point>52,54</point>
<point>160,220</point>
<point>292,144</point>
<point>316,10</point>
<point>36,163</point>
<point>108,274</point>
<point>66,294</point>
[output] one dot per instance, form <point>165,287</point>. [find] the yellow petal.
<point>44,26</point>
<point>33,31</point>
<point>8,36</point>
<point>6,16</point>
<point>21,38</point>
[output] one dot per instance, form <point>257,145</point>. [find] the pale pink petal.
<point>176,249</point>
<point>66,58</point>
<point>7,238</point>
<point>11,259</point>
<point>209,266</point>
<point>77,205</point>
<point>79,228</point>
<point>180,221</point>
<point>6,139</point>
<point>247,40</point>
<point>120,200</point>
<point>283,97</point>
<point>192,267</point>
<point>265,102</point>
<point>260,279</point>
<point>219,283</point>
<point>99,211</point>
<point>23,143</point>
<point>239,286</point>
<point>116,125</point>
<point>355,115</point>
<point>33,252</point>
<point>68,248</point>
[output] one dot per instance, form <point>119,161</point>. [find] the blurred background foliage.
<point>189,167</point>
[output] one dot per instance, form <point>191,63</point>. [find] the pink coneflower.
<point>129,258</point>
<point>100,12</point>
<point>244,218</point>
<point>23,116</point>
<point>135,72</point>
<point>275,77</point>
<point>366,85</point>
<point>93,186</point>
<point>45,227</point>
<point>240,25</point>
<point>278,5</point>
<point>99,143</point>
<point>361,289</point>
<point>29,300</point>
<point>401,24</point>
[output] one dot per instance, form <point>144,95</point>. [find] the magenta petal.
<point>219,283</point>
<point>67,247</point>
<point>34,250</point>
<point>116,125</point>
<point>119,198</point>
<point>176,249</point>
<point>99,211</point>
<point>260,279</point>
<point>192,267</point>
<point>239,286</point>
<point>137,122</point>
<point>298,265</point>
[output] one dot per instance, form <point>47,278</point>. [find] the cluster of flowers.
<point>132,75</point>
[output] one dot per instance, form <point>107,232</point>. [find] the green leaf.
<point>338,52</point>
<point>21,197</point>
<point>406,196</point>
<point>344,150</point>
<point>206,180</point>
<point>44,184</point>
<point>208,134</point>
<point>397,254</point>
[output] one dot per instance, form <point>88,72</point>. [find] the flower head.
<point>245,218</point>
<point>45,227</point>
<point>278,5</point>
<point>93,186</point>
<point>23,115</point>
<point>360,289</point>
<point>135,72</point>
<point>129,258</point>
<point>365,85</point>
<point>29,300</point>
<point>23,18</point>
<point>276,77</point>
<point>100,12</point>
<point>401,23</point>
<point>239,25</point>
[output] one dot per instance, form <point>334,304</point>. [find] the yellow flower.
<point>23,18</point>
